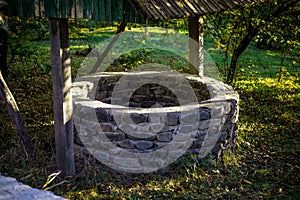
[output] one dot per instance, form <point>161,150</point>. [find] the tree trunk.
<point>14,113</point>
<point>252,32</point>
<point>62,98</point>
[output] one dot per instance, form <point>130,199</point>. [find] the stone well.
<point>141,115</point>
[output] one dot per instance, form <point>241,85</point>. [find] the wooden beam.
<point>100,59</point>
<point>9,101</point>
<point>196,57</point>
<point>62,99</point>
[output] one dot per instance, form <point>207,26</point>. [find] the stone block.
<point>108,127</point>
<point>102,156</point>
<point>141,135</point>
<point>127,144</point>
<point>103,115</point>
<point>156,127</point>
<point>129,163</point>
<point>172,119</point>
<point>115,136</point>
<point>86,132</point>
<point>143,145</point>
<point>115,151</point>
<point>147,104</point>
<point>204,114</point>
<point>197,144</point>
<point>101,95</point>
<point>187,128</point>
<point>213,131</point>
<point>164,137</point>
<point>222,137</point>
<point>138,118</point>
<point>189,118</point>
<point>127,128</point>
<point>157,118</point>
<point>160,144</point>
<point>170,128</point>
<point>200,134</point>
<point>209,123</point>
<point>89,124</point>
<point>218,111</point>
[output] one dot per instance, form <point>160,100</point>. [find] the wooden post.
<point>9,101</point>
<point>62,99</point>
<point>196,55</point>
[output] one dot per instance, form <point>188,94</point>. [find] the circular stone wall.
<point>157,105</point>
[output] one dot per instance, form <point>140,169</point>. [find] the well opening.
<point>147,95</point>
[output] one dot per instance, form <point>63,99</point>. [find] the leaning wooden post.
<point>62,99</point>
<point>9,101</point>
<point>196,55</point>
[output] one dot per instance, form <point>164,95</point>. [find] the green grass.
<point>256,62</point>
<point>264,166</point>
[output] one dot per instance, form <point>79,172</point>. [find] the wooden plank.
<point>127,11</point>
<point>32,7</point>
<point>40,9</point>
<point>19,7</point>
<point>95,10</point>
<point>120,11</point>
<point>64,6</point>
<point>108,11</point>
<point>114,8</point>
<point>37,8</point>
<point>60,82</point>
<point>87,8</point>
<point>50,8</point>
<point>69,9</point>
<point>102,9</point>
<point>132,15</point>
<point>79,8</point>
<point>73,9</point>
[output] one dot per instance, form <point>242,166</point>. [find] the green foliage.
<point>28,29</point>
<point>180,25</point>
<point>277,23</point>
<point>24,35</point>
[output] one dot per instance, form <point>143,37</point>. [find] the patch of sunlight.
<point>84,30</point>
<point>153,185</point>
<point>271,53</point>
<point>154,30</point>
<point>262,171</point>
<point>230,158</point>
<point>79,46</point>
<point>105,29</point>
<point>213,49</point>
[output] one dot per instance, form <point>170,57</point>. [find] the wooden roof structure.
<point>120,10</point>
<point>102,10</point>
<point>170,9</point>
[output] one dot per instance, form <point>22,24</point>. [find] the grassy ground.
<point>265,164</point>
